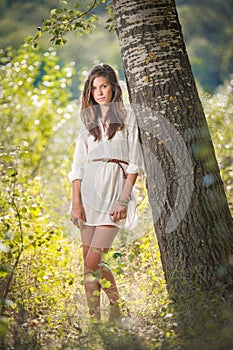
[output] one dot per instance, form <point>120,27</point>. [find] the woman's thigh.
<point>103,237</point>
<point>87,233</point>
<point>95,242</point>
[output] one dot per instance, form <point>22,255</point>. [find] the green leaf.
<point>58,42</point>
<point>12,172</point>
<point>117,255</point>
<point>5,269</point>
<point>104,283</point>
<point>47,22</point>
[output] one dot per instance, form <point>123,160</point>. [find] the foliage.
<point>63,20</point>
<point>36,279</point>
<point>218,110</point>
<point>21,19</point>
<point>34,94</point>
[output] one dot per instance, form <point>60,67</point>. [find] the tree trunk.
<point>191,215</point>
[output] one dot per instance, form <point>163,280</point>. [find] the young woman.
<point>106,163</point>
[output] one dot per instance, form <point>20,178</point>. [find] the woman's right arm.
<point>77,207</point>
<point>76,175</point>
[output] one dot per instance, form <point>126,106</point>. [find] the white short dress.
<point>102,181</point>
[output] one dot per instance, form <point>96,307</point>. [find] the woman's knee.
<point>92,261</point>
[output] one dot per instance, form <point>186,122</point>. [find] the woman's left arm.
<point>129,182</point>
<point>120,210</point>
<point>136,165</point>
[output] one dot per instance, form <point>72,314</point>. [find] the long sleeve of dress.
<point>80,156</point>
<point>136,160</point>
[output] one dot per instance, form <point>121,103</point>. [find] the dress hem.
<point>105,224</point>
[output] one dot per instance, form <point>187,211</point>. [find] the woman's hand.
<point>119,212</point>
<point>78,214</point>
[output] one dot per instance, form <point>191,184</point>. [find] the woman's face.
<point>101,90</point>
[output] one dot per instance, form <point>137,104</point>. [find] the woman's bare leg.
<point>91,281</point>
<point>103,238</point>
<point>91,261</point>
<point>96,241</point>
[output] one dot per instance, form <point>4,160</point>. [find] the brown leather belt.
<point>111,160</point>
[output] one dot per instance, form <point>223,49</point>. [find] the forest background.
<point>41,285</point>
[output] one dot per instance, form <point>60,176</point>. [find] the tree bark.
<point>190,210</point>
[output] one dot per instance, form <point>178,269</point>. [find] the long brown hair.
<point>90,110</point>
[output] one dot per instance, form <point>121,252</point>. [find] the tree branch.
<point>21,246</point>
<point>58,26</point>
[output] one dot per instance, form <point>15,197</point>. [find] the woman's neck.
<point>104,113</point>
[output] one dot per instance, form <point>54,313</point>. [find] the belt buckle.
<point>105,160</point>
